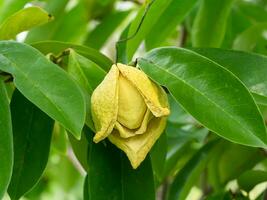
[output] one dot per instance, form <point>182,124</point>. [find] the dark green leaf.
<point>32,130</point>
<point>173,14</point>
<point>158,156</point>
<point>219,196</point>
<point>85,189</point>
<point>188,175</point>
<point>250,68</point>
<point>250,179</point>
<point>110,175</point>
<point>213,95</point>
<point>210,23</point>
<point>23,20</point>
<point>6,146</point>
<point>58,47</point>
<point>44,84</point>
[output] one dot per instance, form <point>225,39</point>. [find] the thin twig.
<point>136,31</point>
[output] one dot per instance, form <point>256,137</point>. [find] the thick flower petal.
<point>138,147</point>
<point>104,103</point>
<point>126,133</point>
<point>154,96</point>
<point>132,107</point>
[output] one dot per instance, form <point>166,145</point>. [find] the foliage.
<point>208,55</point>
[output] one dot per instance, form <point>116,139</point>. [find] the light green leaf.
<point>56,48</point>
<point>221,169</point>
<point>47,31</point>
<point>6,142</point>
<point>10,7</point>
<point>44,84</point>
<point>153,14</point>
<point>32,131</point>
<point>76,17</point>
<point>210,93</point>
<point>23,20</point>
<point>173,14</point>
<point>249,39</point>
<point>98,36</point>
<point>210,23</point>
<point>88,75</point>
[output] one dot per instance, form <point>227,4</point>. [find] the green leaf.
<point>121,47</point>
<point>211,94</point>
<point>173,14</point>
<point>210,23</point>
<point>10,7</point>
<point>23,20</point>
<point>6,144</point>
<point>249,179</point>
<point>85,188</point>
<point>88,75</point>
<point>158,156</point>
<point>56,48</point>
<point>80,148</point>
<point>76,17</point>
<point>98,36</point>
<point>188,175</point>
<point>44,84</point>
<point>32,130</point>
<point>47,31</point>
<point>59,139</point>
<point>181,146</point>
<point>154,10</point>
<point>250,38</point>
<point>250,68</point>
<point>220,196</point>
<point>253,11</point>
<point>111,176</point>
<point>221,169</point>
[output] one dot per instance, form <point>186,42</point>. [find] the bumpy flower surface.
<point>130,110</point>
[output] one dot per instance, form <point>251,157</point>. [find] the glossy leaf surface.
<point>250,68</point>
<point>6,142</point>
<point>211,94</point>
<point>32,130</point>
<point>44,84</point>
<point>110,175</point>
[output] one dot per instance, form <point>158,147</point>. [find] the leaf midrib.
<point>198,91</point>
<point>34,84</point>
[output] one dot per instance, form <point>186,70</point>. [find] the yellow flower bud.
<point>130,110</point>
